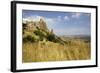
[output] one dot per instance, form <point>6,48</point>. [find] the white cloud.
<point>66,18</point>
<point>76,15</point>
<point>59,18</point>
<point>51,22</point>
<point>33,18</point>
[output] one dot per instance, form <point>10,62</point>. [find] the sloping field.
<point>50,51</point>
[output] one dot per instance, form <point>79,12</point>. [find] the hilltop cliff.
<point>34,31</point>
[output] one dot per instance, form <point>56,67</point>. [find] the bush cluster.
<point>29,38</point>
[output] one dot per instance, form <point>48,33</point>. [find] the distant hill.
<point>85,38</point>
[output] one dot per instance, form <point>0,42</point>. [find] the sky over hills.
<point>62,23</point>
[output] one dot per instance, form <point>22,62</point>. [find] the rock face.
<point>31,26</point>
<point>42,24</point>
<point>35,25</point>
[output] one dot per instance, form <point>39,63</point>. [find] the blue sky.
<point>62,23</point>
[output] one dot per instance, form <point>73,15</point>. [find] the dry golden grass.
<point>49,51</point>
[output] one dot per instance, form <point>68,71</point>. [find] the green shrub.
<point>51,37</point>
<point>41,34</point>
<point>29,39</point>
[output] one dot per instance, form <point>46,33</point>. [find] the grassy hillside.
<point>40,44</point>
<point>49,51</point>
